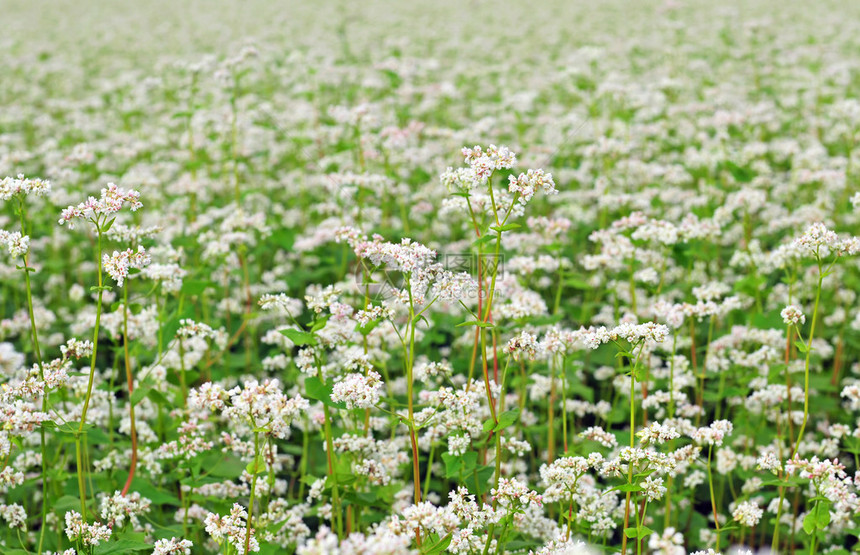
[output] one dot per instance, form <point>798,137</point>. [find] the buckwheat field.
<point>448,277</point>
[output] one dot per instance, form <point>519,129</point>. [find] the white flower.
<point>358,390</point>
<point>18,245</point>
<point>747,513</point>
<point>118,264</point>
<point>792,314</point>
<point>172,546</point>
<point>11,186</point>
<point>653,488</point>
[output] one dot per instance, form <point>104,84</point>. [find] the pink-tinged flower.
<point>792,314</point>
<point>111,201</point>
<point>527,184</point>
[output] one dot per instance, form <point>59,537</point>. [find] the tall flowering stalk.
<point>826,248</point>
<point>17,244</point>
<point>100,213</point>
<point>640,337</point>
<point>710,436</point>
<point>118,266</point>
<point>477,180</point>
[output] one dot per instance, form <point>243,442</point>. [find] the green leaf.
<point>489,425</point>
<point>299,337</point>
<point>801,346</point>
<point>741,174</point>
<point>317,390</point>
<point>122,546</point>
<point>257,466</point>
<point>476,323</point>
<point>66,503</point>
<point>627,487</point>
<point>319,323</point>
<point>809,523</point>
<point>822,514</point>
<point>158,398</point>
<point>440,546</point>
<point>506,227</point>
<point>141,392</point>
<point>157,496</point>
<point>577,283</point>
<point>455,465</point>
<point>72,428</point>
<point>486,238</point>
<point>507,418</point>
<point>225,467</point>
<point>638,533</point>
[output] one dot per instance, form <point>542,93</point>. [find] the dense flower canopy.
<point>384,278</point>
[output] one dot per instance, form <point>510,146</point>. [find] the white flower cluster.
<point>259,404</point>
<point>514,493</point>
<point>649,332</point>
<point>14,515</point>
<point>525,344</point>
<point>190,328</point>
<point>231,528</point>
<point>119,263</point>
<point>482,164</point>
<point>793,315</point>
<point>172,546</point>
<point>598,434</point>
<point>111,201</point>
<point>657,433</point>
<point>281,303</point>
<point>713,434</point>
<point>11,186</point>
<point>747,513</point>
<point>653,488</point>
<point>373,313</point>
<point>17,244</point>
<point>170,276</point>
<point>117,508</point>
<point>88,534</point>
<point>526,185</point>
<point>358,391</point>
<point>818,241</point>
<point>74,348</point>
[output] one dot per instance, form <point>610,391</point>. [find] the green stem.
<point>632,444</point>
<point>713,501</point>
<point>37,350</point>
<point>78,436</point>
<point>253,491</point>
<point>429,470</point>
<point>130,379</point>
<point>337,518</point>
<point>806,368</point>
